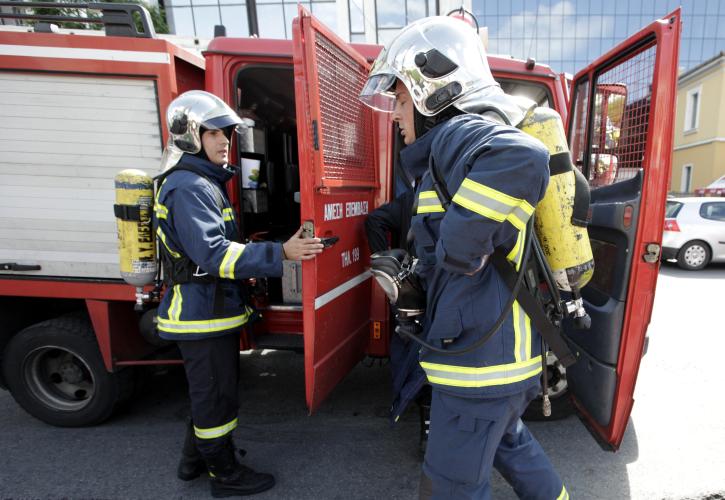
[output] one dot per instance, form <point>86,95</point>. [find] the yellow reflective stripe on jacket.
<point>522,332</point>
<point>202,326</point>
<point>564,495</point>
<point>428,202</point>
<point>493,204</point>
<point>228,214</point>
<point>160,210</point>
<point>176,303</point>
<point>215,432</point>
<point>517,251</point>
<point>226,269</point>
<point>464,376</point>
<point>162,237</point>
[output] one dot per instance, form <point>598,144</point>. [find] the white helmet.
<point>185,117</point>
<point>440,60</point>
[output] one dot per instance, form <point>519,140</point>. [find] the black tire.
<point>55,372</point>
<point>694,255</point>
<point>558,390</point>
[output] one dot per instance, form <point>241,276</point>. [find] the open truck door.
<point>338,179</point>
<point>620,135</point>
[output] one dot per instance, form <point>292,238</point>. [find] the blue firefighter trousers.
<point>469,436</point>
<point>212,370</point>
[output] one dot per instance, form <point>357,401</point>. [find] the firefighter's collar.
<point>414,157</point>
<point>218,173</point>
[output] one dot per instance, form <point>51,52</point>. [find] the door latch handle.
<point>652,253</point>
<point>329,241</point>
<point>14,266</point>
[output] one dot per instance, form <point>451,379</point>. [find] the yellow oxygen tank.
<point>561,215</point>
<point>136,243</point>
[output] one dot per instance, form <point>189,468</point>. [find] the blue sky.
<point>567,34</point>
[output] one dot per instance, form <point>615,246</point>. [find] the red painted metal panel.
<point>336,285</point>
<point>57,289</point>
<point>650,147</point>
<point>116,325</point>
<point>174,70</point>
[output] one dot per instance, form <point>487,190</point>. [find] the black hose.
<point>548,276</point>
<point>504,313</point>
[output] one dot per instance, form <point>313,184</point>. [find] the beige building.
<point>699,153</point>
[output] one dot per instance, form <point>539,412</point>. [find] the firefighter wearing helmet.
<point>204,307</point>
<point>478,181</point>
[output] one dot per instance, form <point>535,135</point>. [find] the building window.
<point>393,15</point>
<point>686,181</point>
<point>692,109</point>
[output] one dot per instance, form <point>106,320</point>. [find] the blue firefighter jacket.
<point>494,193</point>
<point>191,222</point>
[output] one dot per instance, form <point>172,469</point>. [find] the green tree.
<point>66,10</point>
<point>158,15</point>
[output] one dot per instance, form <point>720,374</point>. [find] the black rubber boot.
<point>229,478</point>
<point>191,465</point>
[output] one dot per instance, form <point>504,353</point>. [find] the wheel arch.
<point>81,391</point>
<point>18,313</point>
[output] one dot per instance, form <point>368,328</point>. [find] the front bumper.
<point>669,253</point>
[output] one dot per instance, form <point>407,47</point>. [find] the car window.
<point>713,211</point>
<point>672,209</point>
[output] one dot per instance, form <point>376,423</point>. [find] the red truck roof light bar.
<point>118,19</point>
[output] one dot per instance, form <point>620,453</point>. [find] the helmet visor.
<point>378,92</point>
<point>222,121</point>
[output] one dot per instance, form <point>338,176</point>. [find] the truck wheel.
<point>54,370</point>
<point>558,390</point>
<point>694,255</point>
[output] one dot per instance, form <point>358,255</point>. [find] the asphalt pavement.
<point>673,448</point>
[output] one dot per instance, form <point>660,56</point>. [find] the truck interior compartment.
<point>269,182</point>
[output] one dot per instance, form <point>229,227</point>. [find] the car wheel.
<point>54,370</point>
<point>558,390</point>
<point>694,255</point>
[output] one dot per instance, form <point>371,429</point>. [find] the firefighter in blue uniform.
<point>205,307</point>
<point>435,78</point>
<point>391,222</point>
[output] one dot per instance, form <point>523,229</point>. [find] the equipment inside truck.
<point>269,181</point>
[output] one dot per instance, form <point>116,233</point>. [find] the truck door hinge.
<point>652,253</point>
<point>315,136</point>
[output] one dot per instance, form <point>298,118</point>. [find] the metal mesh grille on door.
<point>347,124</point>
<point>622,102</point>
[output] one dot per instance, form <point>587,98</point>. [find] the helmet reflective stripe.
<point>439,59</point>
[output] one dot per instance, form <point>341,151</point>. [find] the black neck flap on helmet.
<point>424,123</point>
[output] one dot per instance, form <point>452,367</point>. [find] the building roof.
<point>701,68</point>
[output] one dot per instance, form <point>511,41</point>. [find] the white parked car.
<point>694,232</point>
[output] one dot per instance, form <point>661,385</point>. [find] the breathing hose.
<point>504,313</point>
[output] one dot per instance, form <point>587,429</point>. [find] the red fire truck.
<point>77,109</point>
